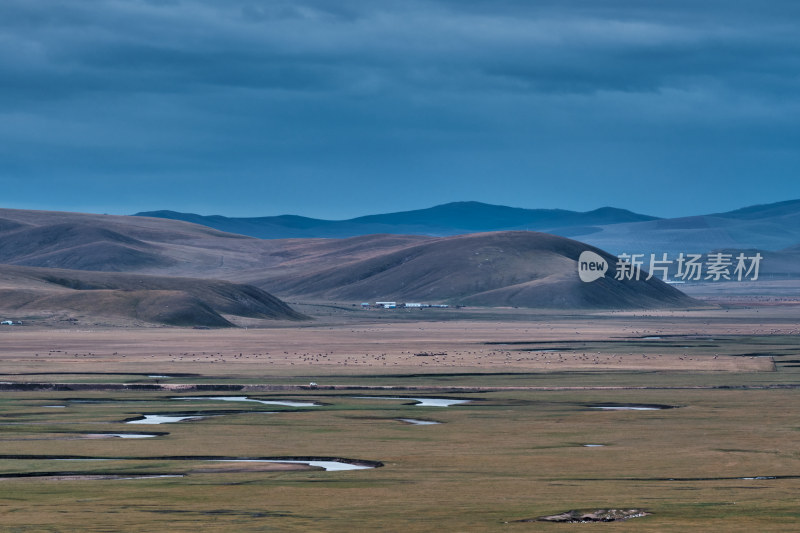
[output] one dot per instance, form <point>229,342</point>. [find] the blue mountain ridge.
<point>454,218</point>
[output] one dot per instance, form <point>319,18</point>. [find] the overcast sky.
<point>342,108</point>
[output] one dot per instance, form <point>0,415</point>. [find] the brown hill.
<point>119,244</point>
<point>165,247</point>
<point>496,269</point>
<point>517,268</point>
<point>78,246</point>
<point>153,299</point>
<point>9,225</point>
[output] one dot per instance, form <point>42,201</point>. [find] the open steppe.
<point>723,457</point>
<point>391,341</point>
<point>544,396</point>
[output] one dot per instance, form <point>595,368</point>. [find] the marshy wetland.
<point>703,435</point>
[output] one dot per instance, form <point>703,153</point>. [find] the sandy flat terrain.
<point>607,340</point>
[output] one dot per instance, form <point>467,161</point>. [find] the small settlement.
<point>407,305</point>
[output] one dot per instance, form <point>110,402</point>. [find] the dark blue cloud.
<point>351,107</point>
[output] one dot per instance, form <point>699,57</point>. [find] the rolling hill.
<point>525,269</point>
<point>78,246</point>
<point>516,268</point>
<point>152,299</point>
<point>85,262</point>
<point>162,247</point>
<point>124,244</point>
<point>766,227</point>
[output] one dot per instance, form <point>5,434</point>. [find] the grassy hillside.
<point>150,299</point>
<point>498,269</point>
<point>521,268</point>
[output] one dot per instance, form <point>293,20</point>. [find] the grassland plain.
<point>725,457</point>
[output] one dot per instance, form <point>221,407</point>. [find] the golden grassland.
<point>608,341</point>
<point>515,452</point>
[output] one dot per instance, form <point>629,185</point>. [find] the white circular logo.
<point>591,266</point>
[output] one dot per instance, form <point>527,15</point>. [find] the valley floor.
<point>689,416</point>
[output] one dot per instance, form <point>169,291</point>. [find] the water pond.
<point>327,465</point>
<point>287,403</point>
<point>121,435</point>
<point>163,419</point>
<point>625,408</point>
<point>420,402</point>
<point>418,422</point>
<point>612,406</point>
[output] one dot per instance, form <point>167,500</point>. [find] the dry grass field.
<point>724,456</point>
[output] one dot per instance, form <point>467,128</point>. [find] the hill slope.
<point>79,246</point>
<point>157,246</point>
<point>765,227</point>
<point>158,300</point>
<point>498,269</point>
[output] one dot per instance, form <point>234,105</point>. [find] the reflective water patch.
<point>162,419</point>
<point>420,402</point>
<point>418,422</point>
<point>287,403</point>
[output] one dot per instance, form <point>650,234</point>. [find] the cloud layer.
<point>355,106</point>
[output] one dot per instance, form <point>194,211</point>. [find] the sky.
<point>341,108</point>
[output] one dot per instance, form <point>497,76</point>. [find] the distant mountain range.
<point>156,269</point>
<point>770,227</point>
<point>766,227</point>
<point>140,259</point>
<point>455,218</point>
